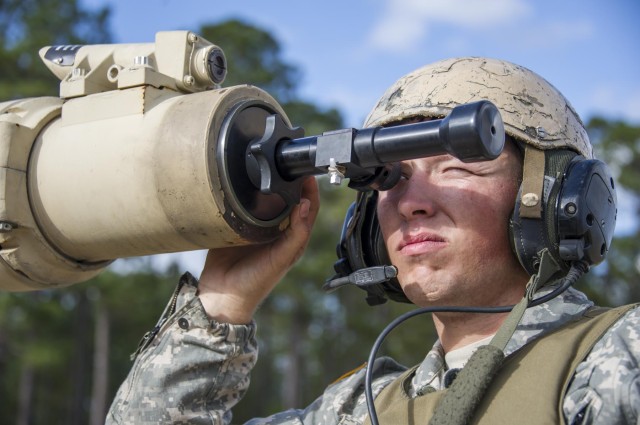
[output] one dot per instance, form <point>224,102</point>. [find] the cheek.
<point>386,216</point>
<point>490,224</point>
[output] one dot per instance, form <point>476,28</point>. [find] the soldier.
<point>483,234</point>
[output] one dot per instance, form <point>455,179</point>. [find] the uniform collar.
<point>537,321</point>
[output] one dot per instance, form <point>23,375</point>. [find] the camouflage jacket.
<point>191,370</point>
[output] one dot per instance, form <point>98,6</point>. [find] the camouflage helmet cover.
<point>532,109</point>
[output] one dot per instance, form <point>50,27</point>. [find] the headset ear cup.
<point>376,251</point>
<point>362,246</point>
<point>587,212</point>
<point>529,236</point>
<point>362,232</point>
<point>372,240</point>
<point>369,240</point>
<point>518,242</point>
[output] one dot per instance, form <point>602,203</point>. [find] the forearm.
<point>193,369</point>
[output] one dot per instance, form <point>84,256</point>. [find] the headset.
<point>575,222</point>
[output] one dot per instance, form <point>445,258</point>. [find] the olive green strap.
<point>548,268</point>
<point>458,404</point>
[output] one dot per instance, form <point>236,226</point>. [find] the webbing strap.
<point>548,268</point>
<point>532,183</point>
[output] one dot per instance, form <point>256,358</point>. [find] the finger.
<point>306,211</point>
<point>302,218</point>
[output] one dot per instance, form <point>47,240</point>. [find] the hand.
<point>235,280</point>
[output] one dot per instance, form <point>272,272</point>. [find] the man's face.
<point>446,229</point>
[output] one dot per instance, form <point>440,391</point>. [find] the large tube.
<point>125,173</point>
<point>139,155</point>
<point>143,180</point>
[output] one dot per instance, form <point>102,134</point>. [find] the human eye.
<point>405,172</point>
<point>458,171</point>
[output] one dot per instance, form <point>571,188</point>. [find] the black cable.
<point>391,326</point>
<point>576,271</point>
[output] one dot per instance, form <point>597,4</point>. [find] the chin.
<point>417,295</point>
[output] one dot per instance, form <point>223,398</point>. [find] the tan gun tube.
<point>126,173</point>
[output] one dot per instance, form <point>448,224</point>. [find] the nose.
<point>416,199</point>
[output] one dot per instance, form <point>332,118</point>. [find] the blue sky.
<point>350,51</point>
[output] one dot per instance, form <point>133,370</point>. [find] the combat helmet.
<point>533,111</point>
<point>559,171</point>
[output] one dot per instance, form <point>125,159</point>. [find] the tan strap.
<point>532,183</point>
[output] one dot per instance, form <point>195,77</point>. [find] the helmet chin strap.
<point>458,404</point>
<point>532,183</point>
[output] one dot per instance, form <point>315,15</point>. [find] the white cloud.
<point>405,23</point>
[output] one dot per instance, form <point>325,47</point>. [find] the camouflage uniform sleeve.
<point>606,386</point>
<point>188,369</point>
<point>343,402</point>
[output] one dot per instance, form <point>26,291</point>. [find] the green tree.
<point>28,25</point>
<point>44,336</point>
<point>253,57</point>
<point>49,368</point>
<point>618,144</point>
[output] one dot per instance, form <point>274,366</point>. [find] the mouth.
<point>423,243</point>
